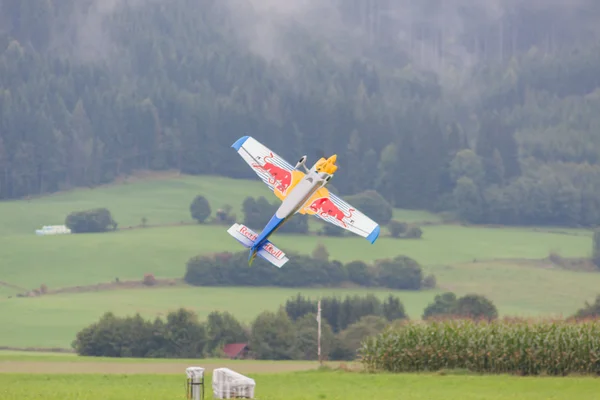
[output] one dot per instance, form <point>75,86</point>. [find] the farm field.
<point>302,385</point>
<point>515,289</point>
<point>504,264</point>
<point>29,261</point>
<point>53,321</point>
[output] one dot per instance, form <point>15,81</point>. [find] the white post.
<point>195,381</point>
<point>319,332</point>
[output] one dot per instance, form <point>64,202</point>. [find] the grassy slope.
<point>160,200</point>
<point>332,385</point>
<point>28,260</point>
<point>69,260</point>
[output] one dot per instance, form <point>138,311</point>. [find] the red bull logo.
<point>325,207</point>
<point>280,177</point>
<point>274,251</point>
<point>249,234</point>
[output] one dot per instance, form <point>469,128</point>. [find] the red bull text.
<point>250,235</point>
<point>274,251</point>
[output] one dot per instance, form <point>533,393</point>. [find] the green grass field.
<point>53,321</point>
<point>68,260</point>
<point>516,290</point>
<point>306,385</point>
<point>26,376</point>
<point>460,257</point>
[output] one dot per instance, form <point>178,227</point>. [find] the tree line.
<point>508,140</point>
<point>231,269</point>
<point>288,333</point>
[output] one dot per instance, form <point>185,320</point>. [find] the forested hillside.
<point>485,108</point>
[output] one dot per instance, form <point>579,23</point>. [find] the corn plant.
<point>524,347</point>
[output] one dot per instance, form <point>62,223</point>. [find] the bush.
<point>306,338</point>
<point>182,336</point>
<point>371,203</point>
<point>469,306</point>
<point>397,228</point>
<point>360,273</point>
<point>231,269</point>
<point>429,282</point>
<point>222,328</point>
<point>589,310</point>
<point>476,306</point>
<point>443,305</point>
<point>200,209</point>
<point>518,347</point>
<point>227,269</point>
<point>400,272</point>
<point>320,253</point>
<point>149,280</point>
<point>414,232</point>
<point>90,221</point>
<point>225,216</point>
<point>273,336</point>
<point>352,337</point>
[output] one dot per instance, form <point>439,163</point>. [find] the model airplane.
<point>300,192</point>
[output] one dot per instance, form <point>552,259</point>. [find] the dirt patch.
<point>552,261</point>
<point>105,286</point>
<point>38,349</point>
<point>65,367</point>
<point>116,286</point>
<point>10,285</point>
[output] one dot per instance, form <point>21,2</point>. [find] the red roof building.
<point>235,350</point>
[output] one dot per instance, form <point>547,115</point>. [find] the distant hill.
<point>488,109</point>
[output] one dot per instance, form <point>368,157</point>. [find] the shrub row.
<point>517,347</point>
<point>231,269</point>
<point>272,335</point>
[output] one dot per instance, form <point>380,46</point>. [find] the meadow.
<point>506,264</point>
<point>68,260</point>
<point>63,377</point>
<point>53,321</point>
<point>299,386</point>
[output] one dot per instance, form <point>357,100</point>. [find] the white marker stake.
<point>319,332</point>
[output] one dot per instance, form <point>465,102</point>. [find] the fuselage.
<point>317,177</point>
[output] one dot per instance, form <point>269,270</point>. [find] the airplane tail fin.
<point>267,251</point>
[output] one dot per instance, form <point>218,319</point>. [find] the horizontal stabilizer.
<point>268,251</point>
<point>243,234</point>
<point>272,254</point>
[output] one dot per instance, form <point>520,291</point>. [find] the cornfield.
<point>516,347</point>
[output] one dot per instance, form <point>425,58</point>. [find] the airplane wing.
<point>330,208</point>
<point>279,175</point>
